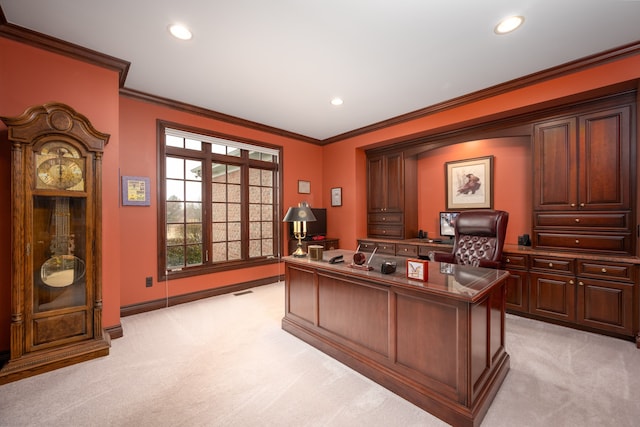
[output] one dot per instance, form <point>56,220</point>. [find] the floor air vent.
<point>243,293</point>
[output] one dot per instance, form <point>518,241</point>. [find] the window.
<point>218,205</point>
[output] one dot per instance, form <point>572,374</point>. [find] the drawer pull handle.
<point>604,270</point>
<point>508,260</point>
<point>571,282</point>
<point>582,205</point>
<point>581,283</point>
<point>577,219</point>
<point>577,242</point>
<point>573,205</point>
<point>550,265</point>
<point>406,250</point>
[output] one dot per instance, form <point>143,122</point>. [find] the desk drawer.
<point>386,231</point>
<point>611,243</point>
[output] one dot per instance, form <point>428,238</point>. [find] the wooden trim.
<point>519,83</point>
<point>114,331</point>
<point>130,310</point>
<point>210,114</point>
<point>52,44</point>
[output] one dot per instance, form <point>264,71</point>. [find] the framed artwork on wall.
<point>304,187</point>
<point>336,196</point>
<point>469,184</point>
<point>135,191</point>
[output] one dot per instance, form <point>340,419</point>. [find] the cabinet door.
<point>605,305</point>
<point>386,183</point>
<point>395,183</point>
<point>377,184</point>
<point>517,291</point>
<point>553,296</point>
<point>605,159</point>
<point>555,169</point>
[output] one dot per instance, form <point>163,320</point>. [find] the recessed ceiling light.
<point>180,32</point>
<point>336,101</point>
<point>508,24</point>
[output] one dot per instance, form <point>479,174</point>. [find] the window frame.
<point>208,266</point>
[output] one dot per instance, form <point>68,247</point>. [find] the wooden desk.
<point>439,344</point>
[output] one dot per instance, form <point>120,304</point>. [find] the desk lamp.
<point>299,216</point>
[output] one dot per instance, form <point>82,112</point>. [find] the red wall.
<point>138,255</point>
<point>28,77</point>
<point>347,167</point>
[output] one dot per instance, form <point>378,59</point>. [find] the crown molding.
<point>52,44</point>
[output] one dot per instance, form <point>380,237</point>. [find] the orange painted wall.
<point>512,186</point>
<point>30,76</point>
<point>138,255</point>
<point>347,167</point>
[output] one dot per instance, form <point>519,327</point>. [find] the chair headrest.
<point>479,222</point>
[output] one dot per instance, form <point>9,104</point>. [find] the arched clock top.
<point>53,119</point>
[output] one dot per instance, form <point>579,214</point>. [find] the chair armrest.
<point>444,257</point>
<point>489,264</point>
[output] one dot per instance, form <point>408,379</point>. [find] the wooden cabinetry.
<point>327,244</point>
<point>391,196</point>
<point>517,299</point>
<point>595,293</point>
<point>582,180</point>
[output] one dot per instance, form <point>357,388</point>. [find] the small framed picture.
<point>135,191</point>
<point>304,187</point>
<point>418,269</point>
<point>336,196</point>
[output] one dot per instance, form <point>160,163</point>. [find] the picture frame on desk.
<point>469,183</point>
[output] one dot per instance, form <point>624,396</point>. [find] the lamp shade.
<point>300,213</point>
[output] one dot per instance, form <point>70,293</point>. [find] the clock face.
<point>417,270</point>
<point>60,173</point>
<point>59,166</point>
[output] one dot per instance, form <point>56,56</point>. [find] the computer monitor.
<point>447,220</point>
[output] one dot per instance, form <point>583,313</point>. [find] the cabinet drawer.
<point>386,217</point>
<point>564,265</point>
<point>610,243</point>
<point>386,248</point>
<point>366,246</point>
<point>513,261</point>
<point>603,220</point>
<point>406,250</point>
<point>386,231</point>
<point>622,272</point>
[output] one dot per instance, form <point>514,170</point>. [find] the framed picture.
<point>469,183</point>
<point>336,196</point>
<point>304,187</point>
<point>418,269</point>
<point>135,191</point>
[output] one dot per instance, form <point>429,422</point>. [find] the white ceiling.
<point>279,62</point>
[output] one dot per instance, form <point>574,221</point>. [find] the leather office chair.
<point>479,239</point>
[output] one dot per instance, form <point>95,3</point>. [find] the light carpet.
<point>225,361</point>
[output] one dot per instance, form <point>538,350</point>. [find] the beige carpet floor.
<point>225,361</point>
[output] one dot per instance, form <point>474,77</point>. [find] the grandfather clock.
<point>56,289</point>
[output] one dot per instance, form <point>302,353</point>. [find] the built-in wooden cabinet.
<point>582,179</point>
<point>581,270</point>
<point>391,196</point>
<point>517,299</point>
<point>327,244</point>
<point>594,293</point>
